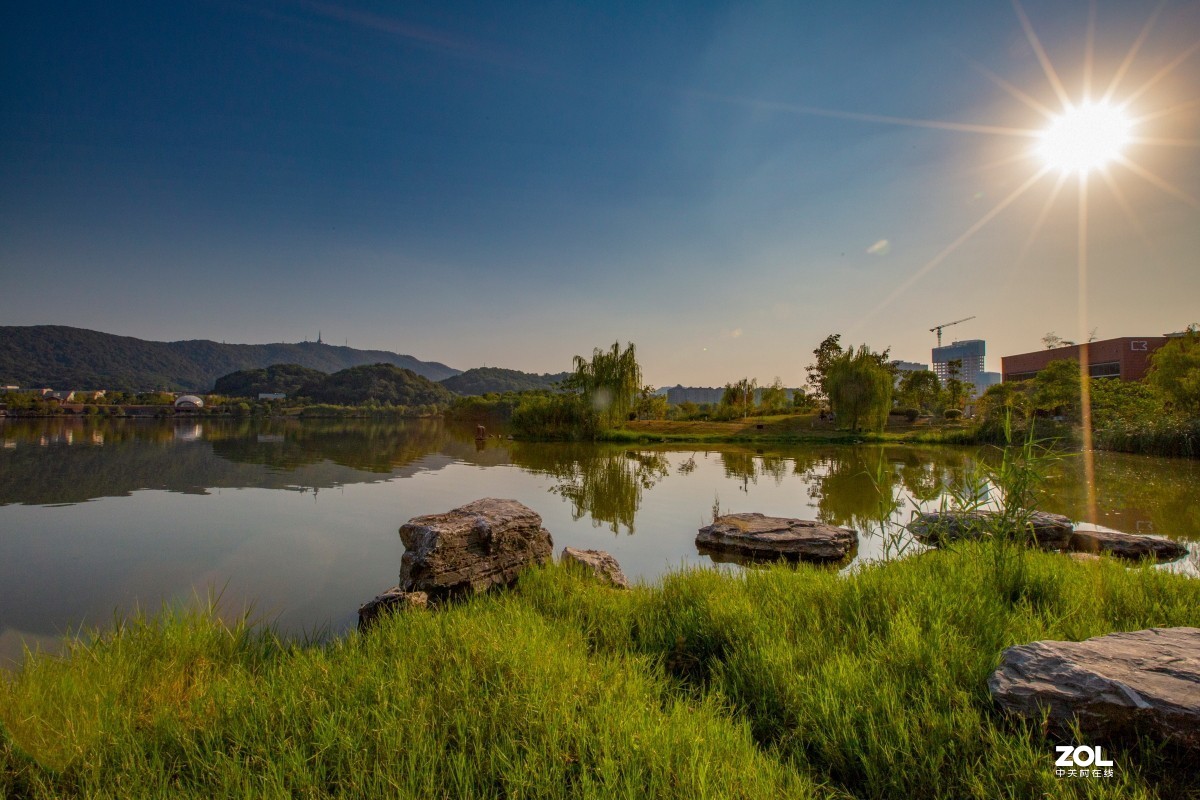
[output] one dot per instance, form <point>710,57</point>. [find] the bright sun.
<point>1085,137</point>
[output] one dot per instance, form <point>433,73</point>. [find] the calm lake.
<point>299,519</point>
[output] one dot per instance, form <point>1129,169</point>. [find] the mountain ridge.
<point>66,357</point>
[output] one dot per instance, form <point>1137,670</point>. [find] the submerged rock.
<point>471,549</point>
<point>757,536</point>
<point>1124,683</point>
<point>394,599</point>
<point>1051,531</point>
<point>1127,545</point>
<point>598,563</point>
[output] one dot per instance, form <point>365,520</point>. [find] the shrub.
<point>952,413</point>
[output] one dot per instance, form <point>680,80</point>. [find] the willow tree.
<point>859,388</point>
<point>609,383</point>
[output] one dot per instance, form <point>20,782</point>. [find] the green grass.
<point>788,428</point>
<point>779,682</point>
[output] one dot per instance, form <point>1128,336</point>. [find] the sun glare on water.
<point>1085,137</point>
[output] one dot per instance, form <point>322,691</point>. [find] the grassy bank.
<point>789,428</point>
<point>776,683</point>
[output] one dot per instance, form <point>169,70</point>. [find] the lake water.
<point>300,519</point>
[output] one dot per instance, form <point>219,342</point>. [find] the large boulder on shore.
<point>598,563</point>
<point>1051,531</point>
<point>1127,545</point>
<point>471,549</point>
<point>1113,686</point>
<point>756,536</point>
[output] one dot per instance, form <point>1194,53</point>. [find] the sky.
<point>509,184</point>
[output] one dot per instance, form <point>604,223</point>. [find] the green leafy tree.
<point>609,383</point>
<point>803,401</point>
<point>650,405</point>
<point>859,385</point>
<point>1175,371</point>
<point>1115,401</point>
<point>740,396</point>
<point>829,349</point>
<point>919,390</point>
<point>1003,400</point>
<point>955,392</point>
<point>774,398</point>
<point>1056,388</point>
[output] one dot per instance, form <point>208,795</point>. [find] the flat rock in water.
<point>1051,531</point>
<point>598,563</point>
<point>471,549</point>
<point>394,599</point>
<point>1127,545</point>
<point>1116,685</point>
<point>757,536</point>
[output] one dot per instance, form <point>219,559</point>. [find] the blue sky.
<point>512,184</point>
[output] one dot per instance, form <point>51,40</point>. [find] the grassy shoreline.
<point>779,682</point>
<point>790,428</point>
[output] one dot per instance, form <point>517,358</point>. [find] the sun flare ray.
<point>1125,206</point>
<point>1089,52</point>
<point>1042,216</point>
<point>1043,59</point>
<point>1160,182</point>
<point>1024,97</point>
<point>960,127</point>
<point>950,248</point>
<point>1158,142</point>
<point>1162,73</point>
<point>1127,62</point>
<point>1187,105</point>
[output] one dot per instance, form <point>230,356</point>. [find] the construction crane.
<point>938,328</point>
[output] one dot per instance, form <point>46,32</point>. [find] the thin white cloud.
<point>880,248</point>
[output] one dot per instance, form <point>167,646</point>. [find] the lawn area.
<point>779,682</point>
<point>783,427</point>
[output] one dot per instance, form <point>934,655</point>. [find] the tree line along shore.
<point>853,394</point>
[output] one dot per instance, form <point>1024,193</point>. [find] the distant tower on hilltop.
<point>319,336</point>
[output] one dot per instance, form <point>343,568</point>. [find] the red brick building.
<point>1126,358</point>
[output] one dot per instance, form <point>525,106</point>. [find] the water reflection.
<point>602,482</point>
<point>156,528</point>
<point>54,461</point>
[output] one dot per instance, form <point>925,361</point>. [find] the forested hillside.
<point>63,357</point>
<point>277,378</point>
<point>380,384</point>
<point>482,380</point>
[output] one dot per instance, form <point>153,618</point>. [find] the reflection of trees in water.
<point>746,466</point>
<point>363,444</point>
<point>603,482</point>
<point>1136,494</point>
<point>854,487</point>
<point>58,461</point>
<point>927,474</point>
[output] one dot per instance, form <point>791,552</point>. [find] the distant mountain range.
<point>63,357</point>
